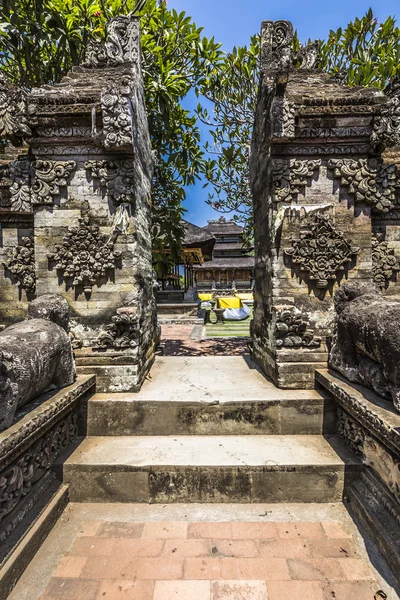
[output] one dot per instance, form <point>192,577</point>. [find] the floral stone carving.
<point>369,180</point>
<point>384,262</point>
<point>47,178</point>
<point>20,191</point>
<point>283,115</point>
<point>85,256</point>
<point>276,41</point>
<point>13,110</point>
<point>122,333</point>
<point>291,330</point>
<point>288,177</point>
<point>386,125</point>
<point>21,264</point>
<point>322,252</point>
<point>117,115</point>
<point>115,176</point>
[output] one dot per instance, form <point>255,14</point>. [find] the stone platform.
<point>205,552</point>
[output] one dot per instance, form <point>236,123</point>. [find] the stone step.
<point>212,395</point>
<point>208,469</point>
<point>286,412</point>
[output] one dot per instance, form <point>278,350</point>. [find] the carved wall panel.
<point>123,332</point>
<point>48,176</point>
<point>117,116</point>
<point>321,252</point>
<point>115,176</point>
<point>85,256</point>
<point>369,180</point>
<point>290,177</point>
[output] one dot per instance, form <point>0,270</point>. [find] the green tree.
<point>40,40</point>
<point>364,53</point>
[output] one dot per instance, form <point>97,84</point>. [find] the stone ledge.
<point>376,414</point>
<point>44,411</point>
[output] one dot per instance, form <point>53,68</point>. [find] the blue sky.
<point>233,22</point>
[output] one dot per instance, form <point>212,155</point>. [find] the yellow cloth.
<point>245,296</point>
<point>205,297</point>
<point>229,302</point>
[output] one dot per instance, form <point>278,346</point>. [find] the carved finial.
<point>307,56</point>
<point>13,110</point>
<point>121,46</point>
<point>276,44</point>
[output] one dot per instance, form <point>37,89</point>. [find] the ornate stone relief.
<point>122,333</point>
<point>20,192</point>
<point>122,44</point>
<point>21,264</point>
<point>115,176</point>
<point>283,117</point>
<point>276,41</point>
<point>47,178</point>
<point>307,56</point>
<point>289,177</point>
<point>291,330</point>
<point>13,110</point>
<point>322,252</point>
<point>351,431</point>
<point>384,262</point>
<point>386,125</point>
<point>18,478</point>
<point>85,256</point>
<point>369,180</point>
<point>117,115</point>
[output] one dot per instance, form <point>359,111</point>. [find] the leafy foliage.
<point>40,40</point>
<point>364,53</point>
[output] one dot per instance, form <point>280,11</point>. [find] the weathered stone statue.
<point>366,347</point>
<point>35,356</point>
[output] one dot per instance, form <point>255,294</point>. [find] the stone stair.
<point>209,429</point>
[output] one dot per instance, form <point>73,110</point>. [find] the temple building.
<point>231,265</point>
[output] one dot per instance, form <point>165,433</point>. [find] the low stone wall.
<point>29,449</point>
<point>370,426</point>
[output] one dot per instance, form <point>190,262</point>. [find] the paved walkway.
<point>177,341</point>
<point>202,552</point>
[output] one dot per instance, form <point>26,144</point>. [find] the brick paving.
<point>176,342</point>
<point>212,561</point>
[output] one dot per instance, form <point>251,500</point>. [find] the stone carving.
<point>85,256</point>
<point>386,124</point>
<point>289,177</point>
<point>47,178</point>
<point>20,192</point>
<point>17,479</point>
<point>383,463</point>
<point>276,41</point>
<point>116,177</point>
<point>366,344</point>
<point>117,116</point>
<point>291,330</point>
<point>384,262</point>
<point>307,56</point>
<point>380,494</point>
<point>35,356</point>
<point>21,264</point>
<point>122,333</point>
<point>369,180</point>
<point>13,110</point>
<point>351,431</point>
<point>282,115</point>
<point>322,252</point>
<point>122,44</point>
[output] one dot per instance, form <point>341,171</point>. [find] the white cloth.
<point>236,314</point>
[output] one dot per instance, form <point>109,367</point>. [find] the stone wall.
<point>86,188</point>
<point>320,186</point>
